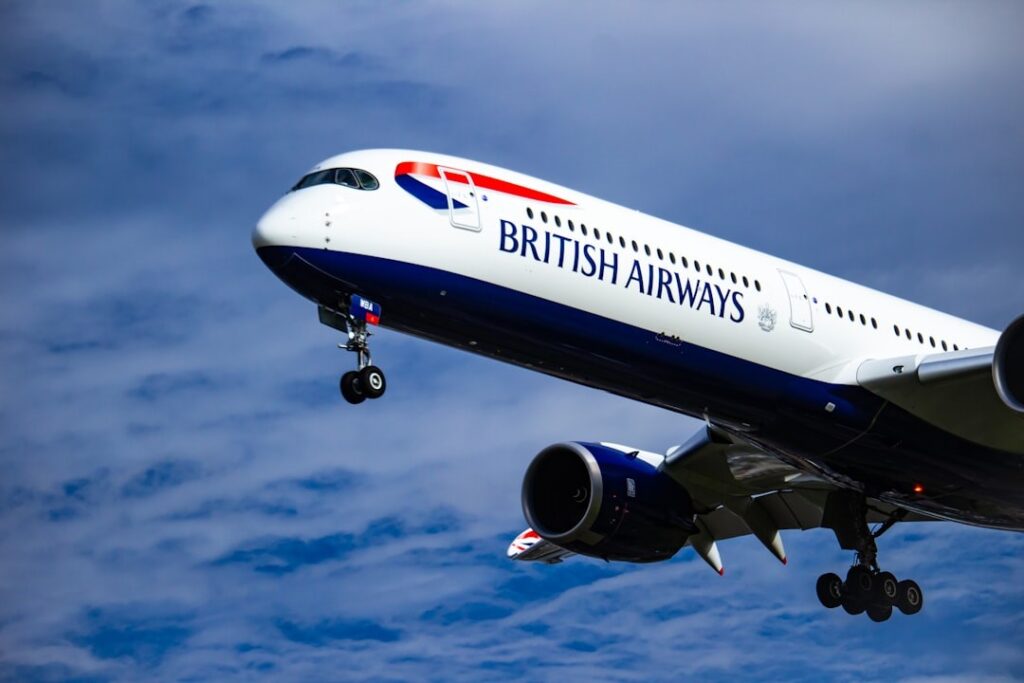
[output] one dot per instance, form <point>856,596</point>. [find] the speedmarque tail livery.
<point>825,403</point>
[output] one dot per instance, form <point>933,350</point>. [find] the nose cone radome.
<point>276,228</point>
<point>277,233</point>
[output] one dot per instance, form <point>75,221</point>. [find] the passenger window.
<point>920,338</point>
<point>908,334</point>
<point>733,276</point>
<point>757,285</point>
<point>597,234</point>
<point>896,329</point>
<point>346,177</point>
<point>931,340</point>
<point>572,228</point>
<point>660,255</point>
<point>635,247</point>
<point>622,241</point>
<point>647,249</point>
<point>583,229</point>
<point>672,257</point>
<point>366,180</point>
<point>874,323</point>
<point>828,308</point>
<point>944,347</point>
<point>839,310</point>
<point>708,268</point>
<point>544,216</point>
<point>558,222</point>
<point>609,236</point>
<point>529,213</point>
<point>746,283</point>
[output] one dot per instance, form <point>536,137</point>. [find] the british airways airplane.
<point>825,404</point>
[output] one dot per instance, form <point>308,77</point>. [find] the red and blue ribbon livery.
<point>406,174</point>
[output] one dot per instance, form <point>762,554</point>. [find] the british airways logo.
<point>594,261</point>
<point>415,178</point>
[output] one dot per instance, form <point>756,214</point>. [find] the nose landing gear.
<point>367,380</point>
<point>867,588</point>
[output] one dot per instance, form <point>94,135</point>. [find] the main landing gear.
<point>367,380</point>
<point>867,588</point>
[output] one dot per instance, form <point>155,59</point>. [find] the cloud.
<point>142,637</point>
<point>323,632</point>
<point>161,476</point>
<point>184,496</point>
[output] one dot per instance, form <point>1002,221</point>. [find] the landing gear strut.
<point>367,380</point>
<point>867,588</point>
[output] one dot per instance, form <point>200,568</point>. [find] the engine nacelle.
<point>604,502</point>
<point>1008,365</point>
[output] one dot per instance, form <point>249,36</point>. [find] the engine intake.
<point>604,502</point>
<point>1008,365</point>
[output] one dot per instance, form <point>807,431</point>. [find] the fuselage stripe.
<point>406,168</point>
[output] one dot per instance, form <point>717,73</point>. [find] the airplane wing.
<point>737,490</point>
<point>958,391</point>
<point>741,490</point>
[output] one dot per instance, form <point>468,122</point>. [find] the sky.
<point>184,495</point>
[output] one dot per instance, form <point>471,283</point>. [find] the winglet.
<point>530,547</point>
<point>522,543</point>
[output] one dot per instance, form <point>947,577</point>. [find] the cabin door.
<point>463,209</point>
<point>799,304</point>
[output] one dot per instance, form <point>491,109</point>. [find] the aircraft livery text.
<point>593,260</point>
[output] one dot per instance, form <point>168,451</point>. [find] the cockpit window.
<point>366,180</point>
<point>355,178</point>
<point>346,177</point>
<point>315,178</point>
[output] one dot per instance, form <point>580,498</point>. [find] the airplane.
<point>824,403</point>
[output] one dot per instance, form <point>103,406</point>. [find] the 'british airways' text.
<point>593,260</point>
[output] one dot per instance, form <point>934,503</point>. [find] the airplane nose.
<point>276,228</point>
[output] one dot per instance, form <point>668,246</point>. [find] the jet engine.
<point>607,502</point>
<point>1008,365</point>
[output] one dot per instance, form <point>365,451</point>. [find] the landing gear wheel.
<point>352,387</point>
<point>853,605</point>
<point>909,598</point>
<point>372,382</point>
<point>867,587</point>
<point>878,612</point>
<point>886,588</point>
<point>830,590</point>
<point>860,581</point>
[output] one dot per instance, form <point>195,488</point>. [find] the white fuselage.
<point>390,223</point>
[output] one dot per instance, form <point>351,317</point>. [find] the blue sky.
<point>184,496</point>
